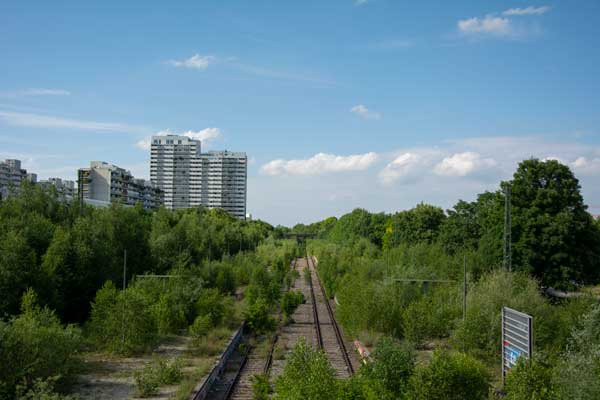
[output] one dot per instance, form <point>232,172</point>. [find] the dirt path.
<point>110,377</point>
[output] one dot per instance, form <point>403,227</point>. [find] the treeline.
<point>66,252</point>
<point>375,265</point>
<point>61,277</point>
<point>554,238</point>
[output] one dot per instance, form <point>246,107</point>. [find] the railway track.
<point>314,320</point>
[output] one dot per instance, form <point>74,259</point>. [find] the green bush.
<point>35,345</point>
<point>42,389</point>
<point>201,326</point>
<point>261,388</point>
<point>307,375</point>
<point>258,317</point>
<point>290,301</point>
<point>158,373</point>
<point>530,380</point>
<point>450,376</point>
<point>480,332</point>
<point>212,304</point>
<point>391,368</point>
<point>118,315</point>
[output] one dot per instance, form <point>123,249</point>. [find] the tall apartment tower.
<point>190,178</point>
<point>175,168</point>
<point>11,176</point>
<point>224,179</point>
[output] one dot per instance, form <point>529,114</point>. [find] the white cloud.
<point>527,11</point>
<point>196,62</point>
<point>586,166</point>
<point>46,121</point>
<point>462,164</point>
<point>36,92</point>
<point>205,135</point>
<point>488,25</point>
<point>364,112</point>
<point>402,166</point>
<point>320,163</point>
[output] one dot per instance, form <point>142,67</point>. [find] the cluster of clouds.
<point>499,25</point>
<point>482,159</point>
<point>206,135</point>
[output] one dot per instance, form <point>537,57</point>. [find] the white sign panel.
<point>516,337</point>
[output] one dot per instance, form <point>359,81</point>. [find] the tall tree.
<point>554,236</point>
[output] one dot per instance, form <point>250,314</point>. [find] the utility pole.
<point>507,261</point>
<point>124,284</point>
<point>465,287</point>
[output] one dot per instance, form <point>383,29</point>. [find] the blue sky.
<point>339,104</point>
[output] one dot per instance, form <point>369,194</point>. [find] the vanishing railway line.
<point>314,320</point>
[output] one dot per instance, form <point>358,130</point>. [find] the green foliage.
<point>261,388</point>
<point>419,225</point>
<point>34,345</point>
<point>555,238</point>
<point>290,301</point>
<point>122,321</point>
<point>42,389</point>
<point>307,375</point>
<point>577,375</point>
<point>390,370</point>
<point>530,380</point>
<point>480,333</point>
<point>158,373</point>
<point>258,318</point>
<point>450,376</point>
<point>212,304</point>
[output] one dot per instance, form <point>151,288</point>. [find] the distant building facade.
<point>190,178</point>
<point>11,176</point>
<point>64,188</point>
<point>224,180</point>
<point>104,183</point>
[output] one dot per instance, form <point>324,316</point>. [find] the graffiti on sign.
<point>516,338</point>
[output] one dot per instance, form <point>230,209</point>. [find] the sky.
<point>339,104</point>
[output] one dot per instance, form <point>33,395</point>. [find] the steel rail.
<point>315,312</point>
<point>336,328</point>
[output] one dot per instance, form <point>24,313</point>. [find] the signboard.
<point>517,338</point>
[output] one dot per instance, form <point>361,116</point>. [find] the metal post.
<point>465,288</point>
<point>124,284</point>
<point>507,262</point>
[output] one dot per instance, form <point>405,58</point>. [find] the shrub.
<point>391,368</point>
<point>261,388</point>
<point>36,346</point>
<point>42,389</point>
<point>114,310</point>
<point>480,331</point>
<point>212,304</point>
<point>307,375</point>
<point>201,326</point>
<point>258,318</point>
<point>450,376</point>
<point>530,380</point>
<point>290,301</point>
<point>158,373</point>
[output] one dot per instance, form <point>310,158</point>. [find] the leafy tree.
<point>307,375</point>
<point>450,376</point>
<point>554,236</point>
<point>418,225</point>
<point>17,270</point>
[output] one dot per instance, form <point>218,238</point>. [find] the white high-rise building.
<point>11,176</point>
<point>190,178</point>
<point>224,177</point>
